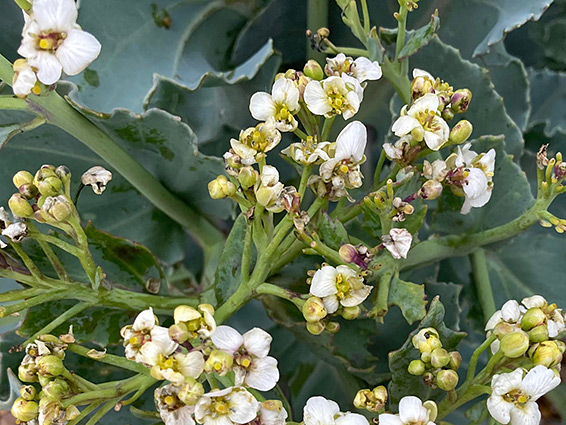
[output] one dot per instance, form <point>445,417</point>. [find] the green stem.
<point>401,29</point>
<point>483,285</point>
<point>67,247</point>
<point>24,5</point>
<point>32,302</point>
<point>301,134</point>
<point>270,289</point>
<point>54,260</point>
<point>28,262</point>
<point>19,294</point>
<point>106,407</point>
<point>326,127</point>
<point>80,384</point>
<point>317,17</point>
<point>474,359</point>
<point>84,255</point>
<point>378,168</point>
<point>247,253</point>
<point>400,81</point>
<point>365,11</point>
<point>381,305</point>
<point>325,251</point>
<point>110,359</point>
<point>85,412</point>
<point>304,179</point>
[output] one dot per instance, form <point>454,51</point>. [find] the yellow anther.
<point>221,408</point>
<point>343,168</point>
<point>135,340</point>
<point>217,366</point>
<point>36,89</point>
<point>246,362</point>
<point>169,400</point>
<point>257,135</point>
<point>523,399</point>
<point>46,43</point>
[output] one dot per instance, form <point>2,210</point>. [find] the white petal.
<point>534,301</point>
<point>269,176</point>
<point>48,67</point>
<point>433,141</point>
<point>404,125</point>
<point>389,419</point>
<point>354,101</point>
<point>510,311</point>
<point>411,409</point>
<point>429,101</point>
<point>243,151</point>
<point>285,92</point>
<point>243,406</point>
<point>78,51</point>
<point>150,352</point>
<point>145,321</point>
<point>160,336</point>
<point>191,364</point>
<point>364,69</point>
<point>539,381</point>
<point>55,15</point>
<point>529,414</point>
<point>331,303</point>
<point>25,81</point>
<point>257,342</point>
<point>499,409</point>
<point>351,142</point>
<point>506,382</point>
<point>493,320</point>
<point>316,98</point>
<point>476,184</point>
<point>262,106</point>
<point>324,282</point>
<point>355,298</point>
<point>227,338</point>
<point>320,411</point>
<point>263,374</point>
<point>218,420</point>
<point>351,419</point>
<point>420,73</point>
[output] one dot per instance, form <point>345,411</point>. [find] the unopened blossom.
<point>144,330</point>
<point>256,140</point>
<point>509,316</point>
<point>423,122</point>
<point>437,171</point>
<point>98,178</point>
<point>16,231</point>
<point>397,151</point>
<point>514,395</point>
<point>339,286</point>
<point>398,242</point>
<point>334,96</point>
<point>230,406</point>
<point>52,41</point>
<point>555,319</point>
<point>171,409</point>
<point>320,411</point>
<point>25,80</point>
<point>272,412</point>
<point>252,365</point>
<point>268,189</point>
<point>412,411</point>
<point>174,367</point>
<point>196,322</point>
<point>361,69</point>
<point>424,83</point>
<point>308,152</point>
<point>279,106</point>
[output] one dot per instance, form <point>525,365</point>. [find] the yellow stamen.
<point>246,362</point>
<point>343,168</point>
<point>46,43</point>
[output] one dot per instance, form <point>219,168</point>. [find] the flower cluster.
<point>52,43</point>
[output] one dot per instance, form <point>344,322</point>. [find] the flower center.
<point>219,406</point>
<point>428,120</point>
<point>343,286</point>
<point>50,41</point>
<point>165,362</point>
<point>337,101</point>
<point>517,397</point>
<point>283,114</point>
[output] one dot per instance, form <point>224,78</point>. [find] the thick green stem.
<point>326,127</point>
<point>475,357</point>
<point>85,412</point>
<point>19,294</point>
<point>110,359</point>
<point>247,253</point>
<point>317,17</point>
<point>24,5</point>
<point>325,251</point>
<point>304,179</point>
<point>378,168</point>
<point>269,289</point>
<point>381,304</point>
<point>37,300</point>
<point>483,285</point>
<point>401,29</point>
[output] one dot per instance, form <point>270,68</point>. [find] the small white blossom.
<point>256,140</point>
<point>172,410</point>
<point>16,231</point>
<point>339,286</point>
<point>514,395</point>
<point>25,80</point>
<point>200,323</point>
<point>280,105</point>
<point>230,406</point>
<point>398,242</point>
<point>412,411</point>
<point>423,121</point>
<point>334,96</point>
<point>268,189</point>
<point>361,69</point>
<point>271,412</point>
<point>98,178</point>
<point>511,313</point>
<point>52,41</point>
<point>308,152</point>
<point>173,367</point>
<point>320,411</point>
<point>252,365</point>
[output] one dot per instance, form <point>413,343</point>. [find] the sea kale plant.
<point>282,221</point>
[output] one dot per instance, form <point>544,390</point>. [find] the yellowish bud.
<point>314,310</point>
<point>219,362</point>
<point>20,206</point>
<point>190,391</point>
<point>417,367</point>
<point>221,187</point>
<point>315,328</point>
<point>514,344</point>
<point>461,132</point>
<point>22,177</point>
<point>50,365</point>
<point>313,70</point>
<point>447,379</point>
<point>24,410</point>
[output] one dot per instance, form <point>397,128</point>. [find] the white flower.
<point>307,152</point>
<point>16,231</point>
<point>233,405</point>
<point>398,242</point>
<point>334,96</point>
<point>511,313</point>
<point>438,170</point>
<point>96,177</point>
<point>198,322</point>
<point>256,140</point>
<point>423,121</point>
<point>174,367</point>
<point>172,410</point>
<point>25,80</point>
<point>361,69</point>
<point>339,286</point>
<point>398,150</point>
<point>53,42</point>
<point>268,189</point>
<point>252,366</point>
<point>514,395</point>
<point>271,412</point>
<point>411,412</point>
<point>320,411</point>
<point>280,105</point>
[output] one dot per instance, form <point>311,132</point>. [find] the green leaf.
<point>548,94</point>
<point>409,297</point>
<point>9,362</point>
<point>420,38</point>
<point>403,383</point>
<point>332,232</point>
<point>449,293</point>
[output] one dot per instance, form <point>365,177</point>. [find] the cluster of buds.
<point>360,255</point>
<point>388,206</point>
<point>437,366</point>
<point>372,400</point>
<point>530,329</point>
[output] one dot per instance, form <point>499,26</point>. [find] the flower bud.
<point>460,100</point>
<point>72,412</point>
<point>27,372</point>
<point>333,327</point>
<point>21,178</point>
<point>50,411</point>
<point>447,114</point>
<point>417,134</point>
<point>351,313</point>
<point>314,310</point>
<point>56,389</point>
<point>51,186</point>
<point>248,177</point>
<point>373,401</point>
<point>221,187</point>
<point>425,356</point>
<point>63,173</point>
<point>50,365</point>
<point>313,70</point>
<point>532,318</point>
<point>20,206</point>
<point>547,353</point>
<point>190,391</point>
<point>219,362</point>
<point>421,86</point>
<point>514,344</point>
<point>44,380</point>
<point>430,190</point>
<point>439,358</point>
<point>426,340</point>
<point>417,367</point>
<point>24,410</point>
<point>315,328</point>
<point>460,132</point>
<point>58,207</point>
<point>502,329</point>
<point>455,360</point>
<point>28,191</point>
<point>447,379</point>
<point>538,333</point>
<point>44,172</point>
<point>28,392</point>
<point>179,333</point>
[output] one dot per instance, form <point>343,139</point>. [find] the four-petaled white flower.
<point>339,286</point>
<point>320,411</point>
<point>268,189</point>
<point>398,242</point>
<point>252,365</point>
<point>230,406</point>
<point>200,323</point>
<point>423,121</point>
<point>361,69</point>
<point>172,410</point>
<point>256,140</point>
<point>308,152</point>
<point>280,105</point>
<point>25,80</point>
<point>412,411</point>
<point>53,42</point>
<point>514,395</point>
<point>477,185</point>
<point>174,367</point>
<point>334,96</point>
<point>145,330</point>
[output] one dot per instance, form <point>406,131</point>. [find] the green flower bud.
<point>21,178</point>
<point>426,356</point>
<point>439,358</point>
<point>179,333</point>
<point>28,392</point>
<point>248,177</point>
<point>221,187</point>
<point>50,365</point>
<point>44,380</point>
<point>57,207</point>
<point>20,206</point>
<point>417,367</point>
<point>447,114</point>
<point>28,190</point>
<point>455,360</point>
<point>51,410</point>
<point>219,362</point>
<point>427,340</point>
<point>547,353</point>
<point>502,329</point>
<point>538,333</point>
<point>51,186</point>
<point>27,373</point>
<point>315,328</point>
<point>460,132</point>
<point>430,190</point>
<point>72,412</point>
<point>351,313</point>
<point>44,172</point>
<point>333,327</point>
<point>56,389</point>
<point>24,410</point>
<point>417,134</point>
<point>63,173</point>
<point>313,70</point>
<point>532,318</point>
<point>190,391</point>
<point>461,100</point>
<point>447,379</point>
<point>314,310</point>
<point>514,344</point>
